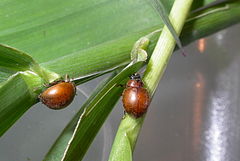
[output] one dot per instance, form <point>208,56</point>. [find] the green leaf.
<point>212,4</point>
<point>218,17</point>
<point>22,80</point>
<point>81,38</point>
<point>78,37</point>
<point>57,150</point>
<point>97,107</point>
<point>73,37</point>
<point>20,85</point>
<point>12,61</point>
<point>73,143</point>
<point>17,95</point>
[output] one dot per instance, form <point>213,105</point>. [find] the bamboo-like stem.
<point>165,45</point>
<point>129,128</point>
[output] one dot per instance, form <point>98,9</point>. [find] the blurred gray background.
<point>194,115</point>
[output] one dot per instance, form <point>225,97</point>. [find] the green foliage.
<point>83,39</point>
<point>125,140</point>
<point>85,125</point>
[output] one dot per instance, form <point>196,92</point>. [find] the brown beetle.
<point>59,95</point>
<point>135,97</point>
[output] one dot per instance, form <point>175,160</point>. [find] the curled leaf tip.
<point>138,52</point>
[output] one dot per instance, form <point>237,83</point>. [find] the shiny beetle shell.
<point>135,97</point>
<point>59,95</point>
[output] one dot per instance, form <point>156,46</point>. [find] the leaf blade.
<point>16,98</point>
<point>97,108</point>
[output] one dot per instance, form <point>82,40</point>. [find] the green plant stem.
<point>130,127</point>
<point>165,45</point>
